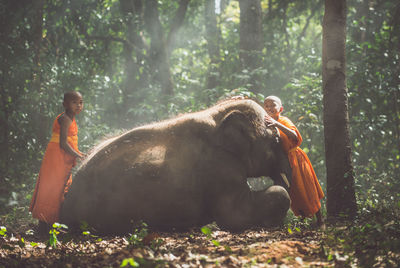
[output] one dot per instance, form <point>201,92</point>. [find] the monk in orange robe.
<point>59,158</point>
<point>305,191</point>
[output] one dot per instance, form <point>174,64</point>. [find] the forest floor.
<point>296,244</point>
<point>252,248</point>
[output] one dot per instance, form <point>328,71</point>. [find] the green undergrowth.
<point>371,240</point>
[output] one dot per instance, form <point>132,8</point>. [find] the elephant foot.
<point>233,212</point>
<point>239,211</point>
<point>270,206</point>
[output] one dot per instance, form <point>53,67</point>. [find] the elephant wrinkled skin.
<point>184,172</point>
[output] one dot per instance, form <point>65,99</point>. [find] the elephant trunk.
<point>282,173</point>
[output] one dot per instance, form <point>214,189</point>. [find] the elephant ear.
<point>235,133</point>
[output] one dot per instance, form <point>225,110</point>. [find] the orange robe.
<point>54,175</point>
<point>305,191</point>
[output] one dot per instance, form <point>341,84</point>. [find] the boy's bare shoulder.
<point>64,119</point>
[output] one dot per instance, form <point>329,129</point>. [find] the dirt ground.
<point>252,248</point>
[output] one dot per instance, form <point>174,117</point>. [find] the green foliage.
<point>372,240</point>
<point>86,231</point>
<point>54,232</point>
<point>142,238</point>
<point>21,242</point>
<point>290,231</point>
<point>129,261</point>
<point>84,226</point>
<point>297,225</point>
<point>373,62</point>
<point>3,231</point>
<point>207,231</point>
<point>84,45</point>
<point>88,234</point>
<point>140,232</point>
<point>17,216</point>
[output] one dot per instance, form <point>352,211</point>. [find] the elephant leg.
<point>233,211</point>
<point>240,211</point>
<point>270,206</point>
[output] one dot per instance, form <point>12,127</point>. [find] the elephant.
<point>184,172</point>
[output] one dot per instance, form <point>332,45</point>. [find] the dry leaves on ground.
<point>257,248</point>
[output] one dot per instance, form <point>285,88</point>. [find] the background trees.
<point>250,41</point>
<point>138,61</point>
<point>340,177</point>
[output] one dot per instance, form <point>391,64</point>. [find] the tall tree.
<point>17,55</point>
<point>250,36</point>
<point>212,36</point>
<point>396,96</point>
<point>158,47</point>
<point>132,12</point>
<point>340,178</point>
<point>161,46</point>
<point>37,37</point>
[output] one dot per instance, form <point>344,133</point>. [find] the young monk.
<point>305,191</point>
<point>59,158</point>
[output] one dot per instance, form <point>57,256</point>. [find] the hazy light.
<point>217,6</point>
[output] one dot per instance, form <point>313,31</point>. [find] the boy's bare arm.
<point>65,122</point>
<point>289,132</point>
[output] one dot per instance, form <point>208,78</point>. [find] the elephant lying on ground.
<point>184,172</point>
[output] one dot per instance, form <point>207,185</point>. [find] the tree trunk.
<point>269,6</point>
<point>212,36</point>
<point>37,43</point>
<point>37,40</point>
<point>4,134</point>
<point>158,49</point>
<point>395,48</point>
<point>131,9</point>
<point>6,90</point>
<point>251,37</point>
<point>176,24</point>
<point>340,178</point>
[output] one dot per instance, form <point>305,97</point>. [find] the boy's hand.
<point>270,121</point>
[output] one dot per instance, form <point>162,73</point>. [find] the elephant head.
<point>245,135</point>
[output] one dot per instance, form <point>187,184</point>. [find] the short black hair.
<point>70,95</point>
